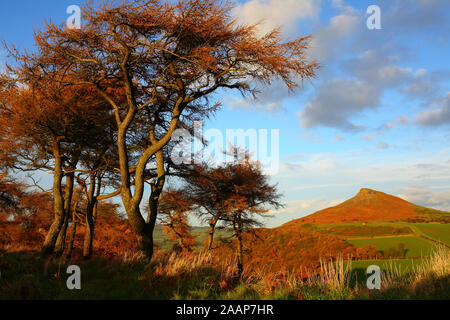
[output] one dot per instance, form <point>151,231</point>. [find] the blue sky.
<point>376,116</point>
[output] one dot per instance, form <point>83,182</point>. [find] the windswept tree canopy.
<point>156,65</point>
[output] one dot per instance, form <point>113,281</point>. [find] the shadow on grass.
<point>430,287</point>
<point>24,275</point>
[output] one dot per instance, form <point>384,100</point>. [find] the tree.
<point>205,186</point>
<point>167,59</point>
<point>174,207</point>
<point>78,198</point>
<point>233,194</point>
<point>49,126</point>
<point>98,171</point>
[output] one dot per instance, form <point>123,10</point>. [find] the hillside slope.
<point>370,205</point>
<point>331,232</point>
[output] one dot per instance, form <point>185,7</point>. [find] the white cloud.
<point>426,83</point>
<point>370,137</point>
<point>311,137</point>
<point>418,16</point>
<point>329,41</point>
<point>377,67</point>
<point>284,13</point>
<point>436,116</point>
<point>299,208</point>
<point>341,175</point>
<point>383,145</point>
<point>336,101</point>
<point>425,196</point>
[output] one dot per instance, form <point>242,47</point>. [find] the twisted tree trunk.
<point>68,193</point>
<point>73,233</point>
<point>157,188</point>
<point>212,228</point>
<point>58,203</point>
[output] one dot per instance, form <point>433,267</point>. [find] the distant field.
<point>383,235</point>
<point>201,234</point>
<point>387,236</point>
<point>363,230</point>
<point>439,232</point>
<point>414,246</point>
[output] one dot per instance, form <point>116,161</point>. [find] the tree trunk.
<point>52,235</point>
<point>90,223</point>
<point>212,228</point>
<point>131,202</point>
<point>61,239</point>
<point>68,193</point>
<point>155,194</point>
<point>58,204</point>
<point>90,231</point>
<point>239,251</point>
<point>89,234</point>
<point>145,241</point>
<point>72,235</point>
<point>240,255</point>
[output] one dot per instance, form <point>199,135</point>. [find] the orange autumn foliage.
<point>173,209</point>
<point>294,249</point>
<point>24,215</point>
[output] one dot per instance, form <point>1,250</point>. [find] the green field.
<point>414,246</point>
<point>362,229</point>
<point>392,239</point>
<point>201,233</point>
<point>383,235</point>
<point>438,232</point>
<point>403,265</point>
<point>400,267</point>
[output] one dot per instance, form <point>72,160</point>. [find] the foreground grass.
<point>200,276</point>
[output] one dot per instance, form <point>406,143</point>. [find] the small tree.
<point>234,194</point>
<point>174,207</point>
<point>205,185</point>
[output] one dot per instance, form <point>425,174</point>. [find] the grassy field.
<point>413,246</point>
<point>363,229</point>
<point>403,265</point>
<point>416,238</point>
<point>438,232</point>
